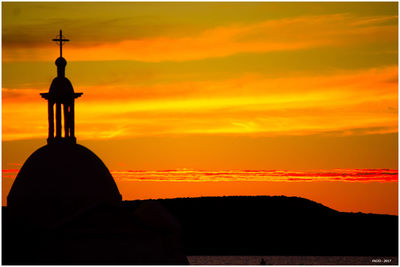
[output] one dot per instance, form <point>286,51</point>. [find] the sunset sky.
<point>214,86</point>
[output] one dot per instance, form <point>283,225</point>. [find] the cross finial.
<point>60,41</point>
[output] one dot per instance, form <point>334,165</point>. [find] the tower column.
<point>72,118</point>
<point>58,120</point>
<point>66,120</point>
<point>51,119</point>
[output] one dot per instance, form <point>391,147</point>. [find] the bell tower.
<point>61,95</point>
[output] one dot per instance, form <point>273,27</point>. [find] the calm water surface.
<point>291,260</point>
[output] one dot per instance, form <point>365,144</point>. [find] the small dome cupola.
<point>61,93</point>
<point>61,63</point>
<point>61,88</point>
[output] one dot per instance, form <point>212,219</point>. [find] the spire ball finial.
<point>61,62</point>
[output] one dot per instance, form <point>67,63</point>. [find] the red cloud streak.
<point>345,175</point>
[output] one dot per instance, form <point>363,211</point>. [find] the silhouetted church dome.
<point>59,181</point>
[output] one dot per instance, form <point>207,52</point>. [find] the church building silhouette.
<point>64,206</point>
<point>61,179</point>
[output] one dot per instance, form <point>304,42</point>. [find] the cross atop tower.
<point>60,41</point>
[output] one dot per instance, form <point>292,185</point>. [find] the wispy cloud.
<point>357,102</point>
<point>271,35</point>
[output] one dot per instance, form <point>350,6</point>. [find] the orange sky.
<point>211,86</point>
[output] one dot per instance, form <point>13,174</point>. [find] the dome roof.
<point>61,87</point>
<point>58,181</point>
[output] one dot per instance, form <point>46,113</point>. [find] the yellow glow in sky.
<point>151,69</point>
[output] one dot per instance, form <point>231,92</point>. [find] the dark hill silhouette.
<point>278,225</point>
<point>262,225</point>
